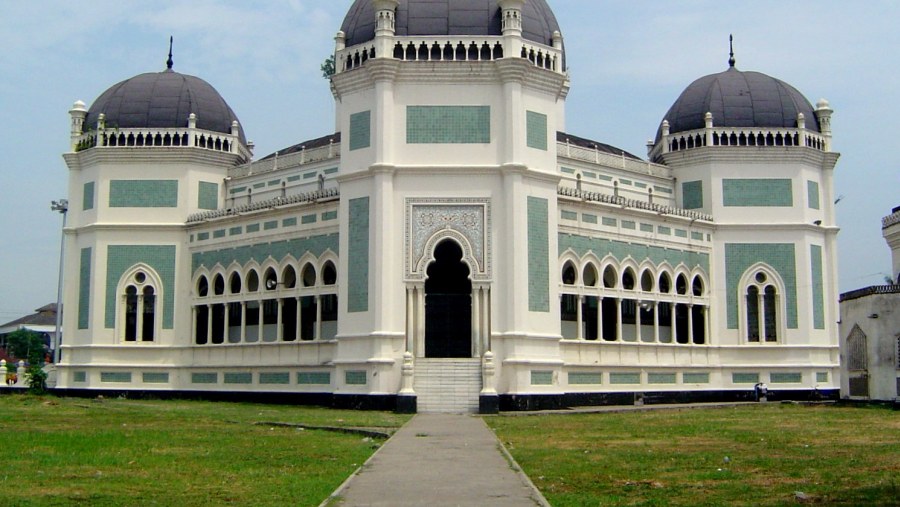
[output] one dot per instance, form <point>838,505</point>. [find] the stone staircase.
<point>447,385</point>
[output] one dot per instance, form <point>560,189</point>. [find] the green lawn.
<point>832,455</point>
<point>122,452</point>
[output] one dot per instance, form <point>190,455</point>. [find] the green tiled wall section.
<point>821,376</point>
<point>309,219</point>
<point>238,378</point>
<point>120,377</point>
<point>289,222</point>
<point>358,256</point>
<point>143,193</point>
<point>360,130</point>
<point>448,124</point>
<point>208,195</point>
<point>219,233</point>
<point>278,250</point>
<point>355,378</point>
<point>79,376</point>
<point>818,288</point>
<point>757,192</point>
<point>740,256</point>
<point>275,378</point>
<point>661,378</point>
<point>161,258</point>
<point>536,124</point>
<point>589,219</point>
<point>646,228</point>
<point>538,255</point>
<point>695,378</point>
<point>329,215</point>
<point>253,228</point>
<point>625,378</point>
<point>629,224</point>
<point>812,191</point>
<point>609,222</point>
<point>150,377</point>
<point>785,378</point>
<point>541,378</point>
<point>314,378</point>
<point>692,194</point>
<point>84,289</point>
<point>581,245</point>
<point>744,378</point>
<point>585,378</point>
<point>568,215</point>
<point>204,378</point>
<point>235,231</point>
<point>270,225</point>
<point>87,200</point>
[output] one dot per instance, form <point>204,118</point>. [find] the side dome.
<point>450,17</point>
<point>160,100</point>
<point>739,99</point>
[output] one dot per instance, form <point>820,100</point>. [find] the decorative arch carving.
<point>465,221</point>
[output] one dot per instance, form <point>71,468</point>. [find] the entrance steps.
<point>447,386</point>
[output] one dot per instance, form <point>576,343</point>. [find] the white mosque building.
<point>448,245</point>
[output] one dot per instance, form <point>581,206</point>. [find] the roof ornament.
<point>169,62</point>
<point>731,60</point>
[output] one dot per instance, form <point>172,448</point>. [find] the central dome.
<point>450,17</point>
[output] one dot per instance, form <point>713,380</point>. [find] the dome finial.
<point>731,60</point>
<point>169,62</point>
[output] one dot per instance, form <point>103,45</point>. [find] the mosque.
<point>448,245</point>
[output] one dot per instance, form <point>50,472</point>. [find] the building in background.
<point>450,246</point>
<point>870,331</point>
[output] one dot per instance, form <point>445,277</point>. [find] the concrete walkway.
<point>435,460</point>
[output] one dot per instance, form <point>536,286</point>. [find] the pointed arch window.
<point>762,307</point>
<point>138,316</point>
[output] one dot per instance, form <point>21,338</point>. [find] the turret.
<point>77,113</point>
<point>823,113</point>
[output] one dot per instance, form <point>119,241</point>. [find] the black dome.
<point>163,100</point>
<point>450,17</point>
<point>739,99</point>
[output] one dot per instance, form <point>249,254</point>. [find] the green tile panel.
<point>355,377</point>
<point>568,215</point>
<point>448,124</point>
<point>143,193</point>
<point>293,178</point>
<point>219,233</point>
<point>275,378</point>
<point>696,236</point>
<point>646,228</point>
<point>610,222</point>
<point>358,256</point>
<point>330,170</point>
<point>786,378</point>
<point>589,174</point>
<point>744,378</point>
<point>639,184</point>
<point>581,245</point>
<point>208,196</point>
<point>309,219</point>
<point>238,378</point>
<point>757,192</point>
<point>589,219</point>
<point>202,236</point>
<point>541,378</point>
<point>625,182</point>
<point>235,231</point>
<point>252,228</point>
<point>314,378</point>
<point>536,130</point>
<point>625,378</point>
<point>538,255</point>
<point>79,376</point>
<point>204,378</point>
<point>150,377</point>
<point>270,225</point>
<point>309,176</point>
<point>272,183</point>
<point>84,289</point>
<point>567,170</point>
<point>695,378</point>
<point>316,245</point>
<point>661,378</point>
<point>87,201</point>
<point>329,215</point>
<point>289,222</point>
<point>259,185</point>
<point>680,233</point>
<point>740,256</point>
<point>629,224</point>
<point>585,378</point>
<point>692,194</point>
<point>118,377</point>
<point>360,130</point>
<point>821,376</point>
<point>160,258</point>
<point>237,190</point>
<point>662,190</point>
<point>812,191</point>
<point>666,231</point>
<point>818,287</point>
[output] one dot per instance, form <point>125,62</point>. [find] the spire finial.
<point>169,62</point>
<point>731,60</point>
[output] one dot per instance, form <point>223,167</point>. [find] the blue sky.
<point>629,60</point>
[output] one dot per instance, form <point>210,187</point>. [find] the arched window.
<point>589,277</point>
<point>219,285</point>
<point>569,274</point>
<point>289,276</point>
<point>761,307</point>
<point>646,281</point>
<point>202,287</point>
<point>329,274</point>
<point>665,283</point>
<point>235,283</point>
<point>252,281</point>
<point>138,315</point>
<point>610,278</point>
<point>308,275</point>
<point>628,279</point>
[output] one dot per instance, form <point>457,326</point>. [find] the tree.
<point>29,345</point>
<point>328,67</point>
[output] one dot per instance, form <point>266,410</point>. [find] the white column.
<point>279,332</point>
<point>579,333</point>
<point>761,315</point>
<point>599,318</point>
<point>637,321</point>
<point>691,324</point>
<point>318,335</point>
<point>299,316</point>
<point>476,322</point>
<point>618,319</point>
<point>420,320</point>
<point>656,322</point>
<point>209,319</point>
<point>226,334</point>
<point>194,325</point>
<point>243,321</point>
<point>410,318</point>
<point>261,322</point>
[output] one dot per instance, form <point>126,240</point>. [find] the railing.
<point>631,203</point>
<point>306,197</point>
<point>302,157</point>
<point>169,138</point>
<point>13,378</point>
<point>609,160</point>
<point>726,136</point>
<point>452,49</point>
<point>869,291</point>
<point>890,220</point>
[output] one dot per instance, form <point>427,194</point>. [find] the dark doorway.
<point>448,304</point>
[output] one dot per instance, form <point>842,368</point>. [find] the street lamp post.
<point>62,206</point>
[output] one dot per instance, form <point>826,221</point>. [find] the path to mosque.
<point>437,460</point>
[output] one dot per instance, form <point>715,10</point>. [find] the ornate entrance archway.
<point>448,304</point>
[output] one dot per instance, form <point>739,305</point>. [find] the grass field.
<point>184,453</point>
<point>776,454</point>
